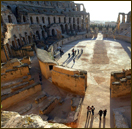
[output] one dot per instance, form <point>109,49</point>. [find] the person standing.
<point>92,110</point>
<point>100,113</point>
<point>88,110</point>
<point>75,52</point>
<point>104,112</point>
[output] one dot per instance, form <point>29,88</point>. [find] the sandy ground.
<point>100,57</point>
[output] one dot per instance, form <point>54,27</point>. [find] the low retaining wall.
<point>70,79</point>
<point>20,95</point>
<point>119,37</point>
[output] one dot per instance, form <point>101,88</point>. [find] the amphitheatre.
<point>33,33</point>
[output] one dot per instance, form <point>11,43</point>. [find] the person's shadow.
<point>87,120</point>
<point>99,123</point>
<point>91,123</point>
<point>103,122</point>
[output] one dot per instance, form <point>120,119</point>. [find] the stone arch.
<point>31,20</point>
<point>9,19</point>
<point>24,19</point>
<point>44,27</point>
<point>37,19</point>
<point>37,33</point>
<point>43,19</point>
<point>53,32</point>
<point>9,7</point>
<point>9,50</point>
<point>34,38</point>
<point>59,20</point>
<point>54,20</point>
<point>49,20</point>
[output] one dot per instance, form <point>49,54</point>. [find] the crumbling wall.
<point>73,80</point>
<point>19,95</point>
<point>120,83</point>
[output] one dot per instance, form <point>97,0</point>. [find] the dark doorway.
<point>50,67</point>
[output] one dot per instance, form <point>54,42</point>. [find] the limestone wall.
<point>17,96</point>
<point>26,60</point>
<point>16,72</point>
<point>69,79</point>
<point>3,56</point>
<point>120,83</point>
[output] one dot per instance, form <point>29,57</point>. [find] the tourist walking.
<point>92,108</point>
<point>104,112</point>
<point>100,113</point>
<point>68,55</point>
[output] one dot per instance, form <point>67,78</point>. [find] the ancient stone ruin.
<point>38,90</point>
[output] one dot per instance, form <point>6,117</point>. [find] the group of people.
<point>74,52</point>
<point>91,109</point>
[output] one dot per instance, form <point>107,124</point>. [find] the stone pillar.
<point>123,18</point>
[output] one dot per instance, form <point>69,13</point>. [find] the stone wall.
<point>15,73</point>
<point>19,95</point>
<point>120,83</point>
<point>73,80</point>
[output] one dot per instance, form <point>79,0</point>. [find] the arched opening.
<point>24,19</point>
<point>31,20</point>
<point>62,30</point>
<point>37,34</point>
<point>29,39</point>
<point>66,28</point>
<point>9,7</point>
<point>8,49</point>
<point>74,26</point>
<point>64,19</point>
<point>77,20</point>
<point>78,27</point>
<point>19,44</point>
<point>13,44</point>
<point>59,20</point>
<point>44,27</point>
<point>54,20</point>
<point>53,32</point>
<point>69,20</point>
<point>37,19</point>
<point>34,38</point>
<point>73,20</point>
<point>49,20</point>
<point>9,19</point>
<point>43,19</point>
<point>24,40</point>
<point>43,34</point>
<point>70,27</point>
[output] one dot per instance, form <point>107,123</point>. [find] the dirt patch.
<point>99,80</point>
<point>84,59</point>
<point>116,47</point>
<point>100,53</point>
<point>81,46</point>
